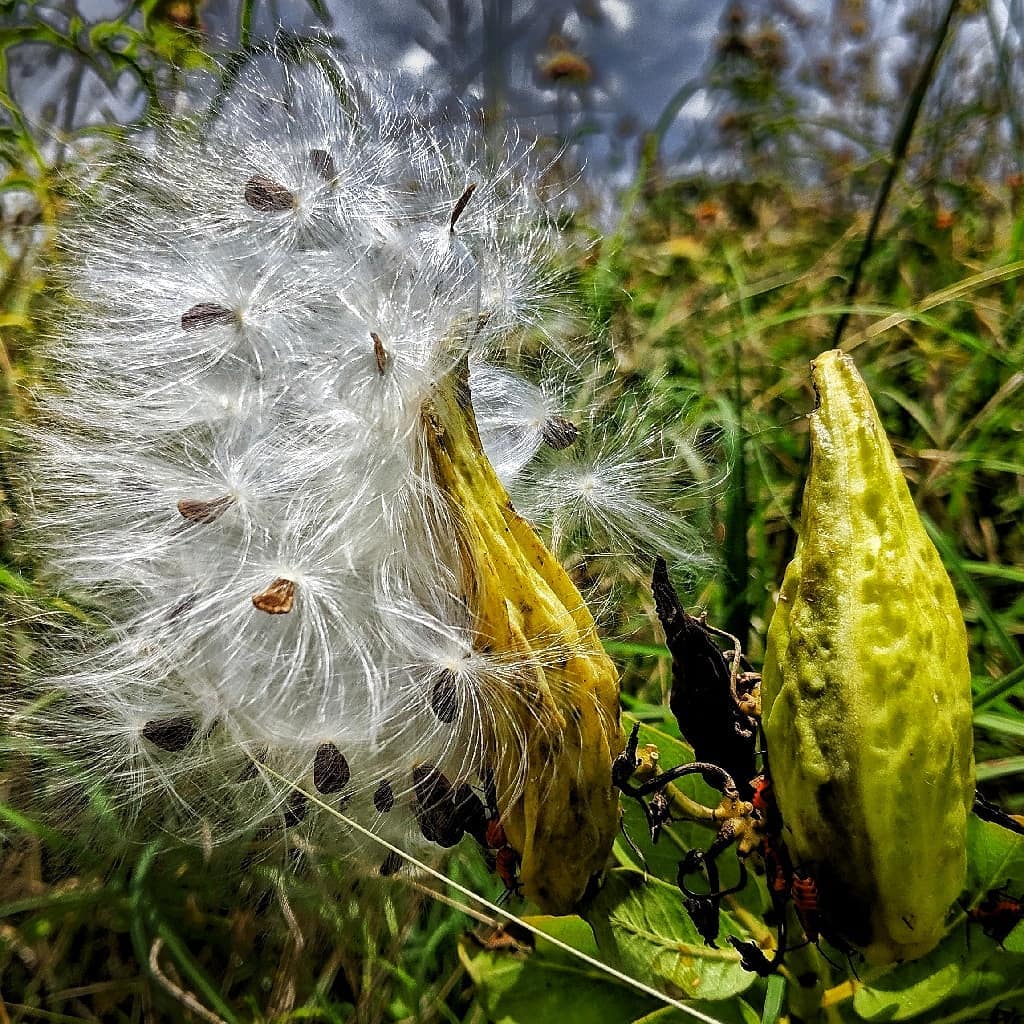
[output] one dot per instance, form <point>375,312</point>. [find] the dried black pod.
<point>701,699</point>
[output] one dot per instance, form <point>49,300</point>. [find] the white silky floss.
<point>230,453</point>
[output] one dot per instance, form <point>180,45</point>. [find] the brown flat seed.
<point>392,864</point>
<point>461,203</point>
<point>195,510</point>
<point>268,196</point>
<point>323,164</point>
<point>207,314</point>
<point>171,734</point>
<point>330,769</point>
<point>384,797</point>
<point>296,809</point>
<point>444,697</point>
<point>277,599</point>
<point>559,433</point>
<point>380,353</point>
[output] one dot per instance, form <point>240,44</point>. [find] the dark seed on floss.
<point>256,758</point>
<point>186,604</point>
<point>379,353</point>
<point>384,797</point>
<point>330,769</point>
<point>195,510</point>
<point>432,788</point>
<point>444,697</point>
<point>559,433</point>
<point>207,314</point>
<point>448,830</point>
<point>277,599</point>
<point>268,196</point>
<point>172,734</point>
<point>461,203</point>
<point>392,864</point>
<point>323,164</point>
<point>296,809</point>
<point>436,812</point>
<point>482,320</point>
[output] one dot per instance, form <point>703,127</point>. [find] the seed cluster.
<point>230,457</point>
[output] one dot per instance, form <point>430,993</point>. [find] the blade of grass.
<point>1009,573</point>
<point>1000,768</point>
<point>773,999</point>
<point>953,561</point>
<point>26,824</point>
<point>737,523</point>
<point>191,969</point>
<point>1000,723</point>
<point>143,913</point>
<point>956,291</point>
<point>628,649</point>
<point>1000,687</point>
<point>50,900</point>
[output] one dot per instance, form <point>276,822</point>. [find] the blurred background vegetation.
<point>719,218</point>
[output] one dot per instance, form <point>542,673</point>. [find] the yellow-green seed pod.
<point>558,732</point>
<point>866,691</point>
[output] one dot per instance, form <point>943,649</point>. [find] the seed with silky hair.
<point>171,734</point>
<point>330,769</point>
<point>559,433</point>
<point>384,797</point>
<point>277,599</point>
<point>296,809</point>
<point>392,864</point>
<point>268,196</point>
<point>207,314</point>
<point>444,697</point>
<point>195,510</point>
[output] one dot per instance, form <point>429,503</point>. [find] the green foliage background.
<point>716,294</point>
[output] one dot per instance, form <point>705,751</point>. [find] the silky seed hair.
<point>230,465</point>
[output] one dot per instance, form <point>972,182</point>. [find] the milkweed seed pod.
<point>866,691</point>
<point>251,461</point>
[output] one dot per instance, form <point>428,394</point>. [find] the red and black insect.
<point>998,914</point>
<point>506,865</point>
<point>778,872</point>
<point>765,805</point>
<point>803,890</point>
<point>506,859</point>
<point>482,820</point>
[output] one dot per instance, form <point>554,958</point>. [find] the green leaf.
<point>995,856</point>
<point>548,985</point>
<point>914,988</point>
<point>643,927</point>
